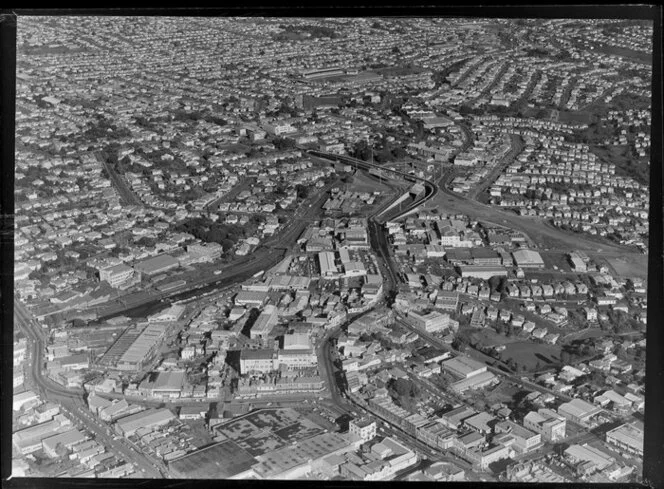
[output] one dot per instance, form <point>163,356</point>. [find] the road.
<point>430,188</point>
<point>71,400</point>
<point>516,148</point>
<point>127,195</point>
<point>145,466</point>
<point>262,258</point>
<point>537,230</point>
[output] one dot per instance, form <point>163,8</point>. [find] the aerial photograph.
<point>331,249</point>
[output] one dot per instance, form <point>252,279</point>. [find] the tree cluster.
<point>403,388</point>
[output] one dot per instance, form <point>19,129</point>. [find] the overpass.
<point>430,188</point>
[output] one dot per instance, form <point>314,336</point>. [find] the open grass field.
<point>627,265</point>
<point>531,355</point>
<point>557,259</point>
<point>639,56</point>
<point>574,117</point>
<point>489,337</point>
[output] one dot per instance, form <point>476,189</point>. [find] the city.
<point>359,249</point>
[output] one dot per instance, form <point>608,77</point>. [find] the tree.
<point>565,357</point>
<point>302,191</point>
<point>283,144</point>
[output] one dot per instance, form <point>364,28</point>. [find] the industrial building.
<point>484,272</point>
<point>163,384</point>
<point>264,323</point>
<point>463,367</point>
<point>447,300</point>
<point>628,438</point>
<point>151,419</point>
<point>528,259</point>
<point>157,264</point>
<point>479,381</point>
<point>328,269</point>
<point>578,411</point>
<point>143,349</point>
<point>262,360</point>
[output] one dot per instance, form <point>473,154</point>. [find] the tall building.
<point>116,275</point>
<point>431,322</point>
<point>547,422</point>
<point>361,430</point>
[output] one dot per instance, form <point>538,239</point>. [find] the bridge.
<point>430,188</point>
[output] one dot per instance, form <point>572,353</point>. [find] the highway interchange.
<point>72,401</point>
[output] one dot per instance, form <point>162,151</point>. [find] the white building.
<point>548,423</point>
<point>362,430</point>
<point>116,275</point>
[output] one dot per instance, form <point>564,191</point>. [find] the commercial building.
<point>547,422</point>
<point>528,259</point>
<point>627,437</point>
<point>431,322</point>
<point>66,440</point>
<point>297,358</point>
<point>157,264</point>
<point>251,298</point>
<point>578,411</point>
<point>577,263</point>
<point>296,341</point>
<point>296,460</point>
<point>327,266</point>
<point>260,361</point>
<point>464,367</point>
<point>362,430</point>
<point>524,439</point>
<point>29,440</point>
<point>116,275</point>
<point>479,381</point>
<point>144,348</point>
<point>267,360</point>
<point>27,398</point>
<point>264,323</point>
<point>150,419</point>
<point>484,272</point>
<point>163,384</point>
<point>447,300</point>
<point>454,418</point>
<point>224,460</point>
<point>591,458</point>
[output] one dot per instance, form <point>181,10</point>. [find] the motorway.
<point>262,258</point>
<point>537,230</point>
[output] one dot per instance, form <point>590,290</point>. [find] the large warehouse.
<point>463,367</point>
<point>156,264</point>
<point>528,259</point>
<point>152,418</point>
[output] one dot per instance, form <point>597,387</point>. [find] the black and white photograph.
<point>345,248</point>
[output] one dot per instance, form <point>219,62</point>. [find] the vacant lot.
<point>626,265</point>
<point>557,259</point>
<point>532,356</point>
<point>574,117</point>
<point>640,56</point>
<point>362,182</point>
<point>489,337</point>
